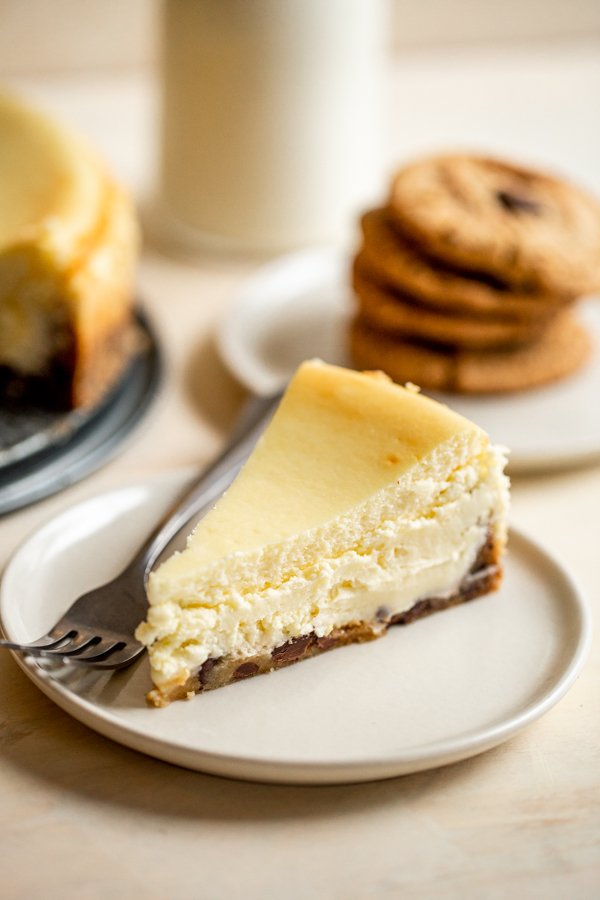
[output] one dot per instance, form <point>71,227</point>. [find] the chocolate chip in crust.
<point>245,670</point>
<point>292,649</point>
<point>327,642</point>
<point>207,667</point>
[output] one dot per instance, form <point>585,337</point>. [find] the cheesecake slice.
<point>68,249</point>
<point>364,504</point>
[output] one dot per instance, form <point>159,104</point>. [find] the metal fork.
<point>98,628</point>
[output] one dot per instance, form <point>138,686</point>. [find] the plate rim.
<point>241,363</point>
<point>297,771</point>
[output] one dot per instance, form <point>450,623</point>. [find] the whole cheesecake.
<point>68,248</point>
<point>364,504</point>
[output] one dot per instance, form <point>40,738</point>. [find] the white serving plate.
<point>431,693</point>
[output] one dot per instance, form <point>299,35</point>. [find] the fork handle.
<point>203,491</point>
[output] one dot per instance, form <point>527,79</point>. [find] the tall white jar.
<point>271,119</point>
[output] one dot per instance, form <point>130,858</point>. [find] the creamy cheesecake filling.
<point>415,538</point>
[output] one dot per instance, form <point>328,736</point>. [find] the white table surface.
<point>522,820</point>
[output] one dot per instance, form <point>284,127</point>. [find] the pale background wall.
<point>430,22</point>
<point>54,35</point>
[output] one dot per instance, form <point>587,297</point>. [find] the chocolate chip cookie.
<point>564,348</point>
<point>397,262</point>
<point>396,313</point>
<point>526,228</point>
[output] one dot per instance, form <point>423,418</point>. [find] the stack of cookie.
<point>466,280</point>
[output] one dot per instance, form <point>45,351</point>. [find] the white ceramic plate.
<point>439,690</point>
<point>298,307</point>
